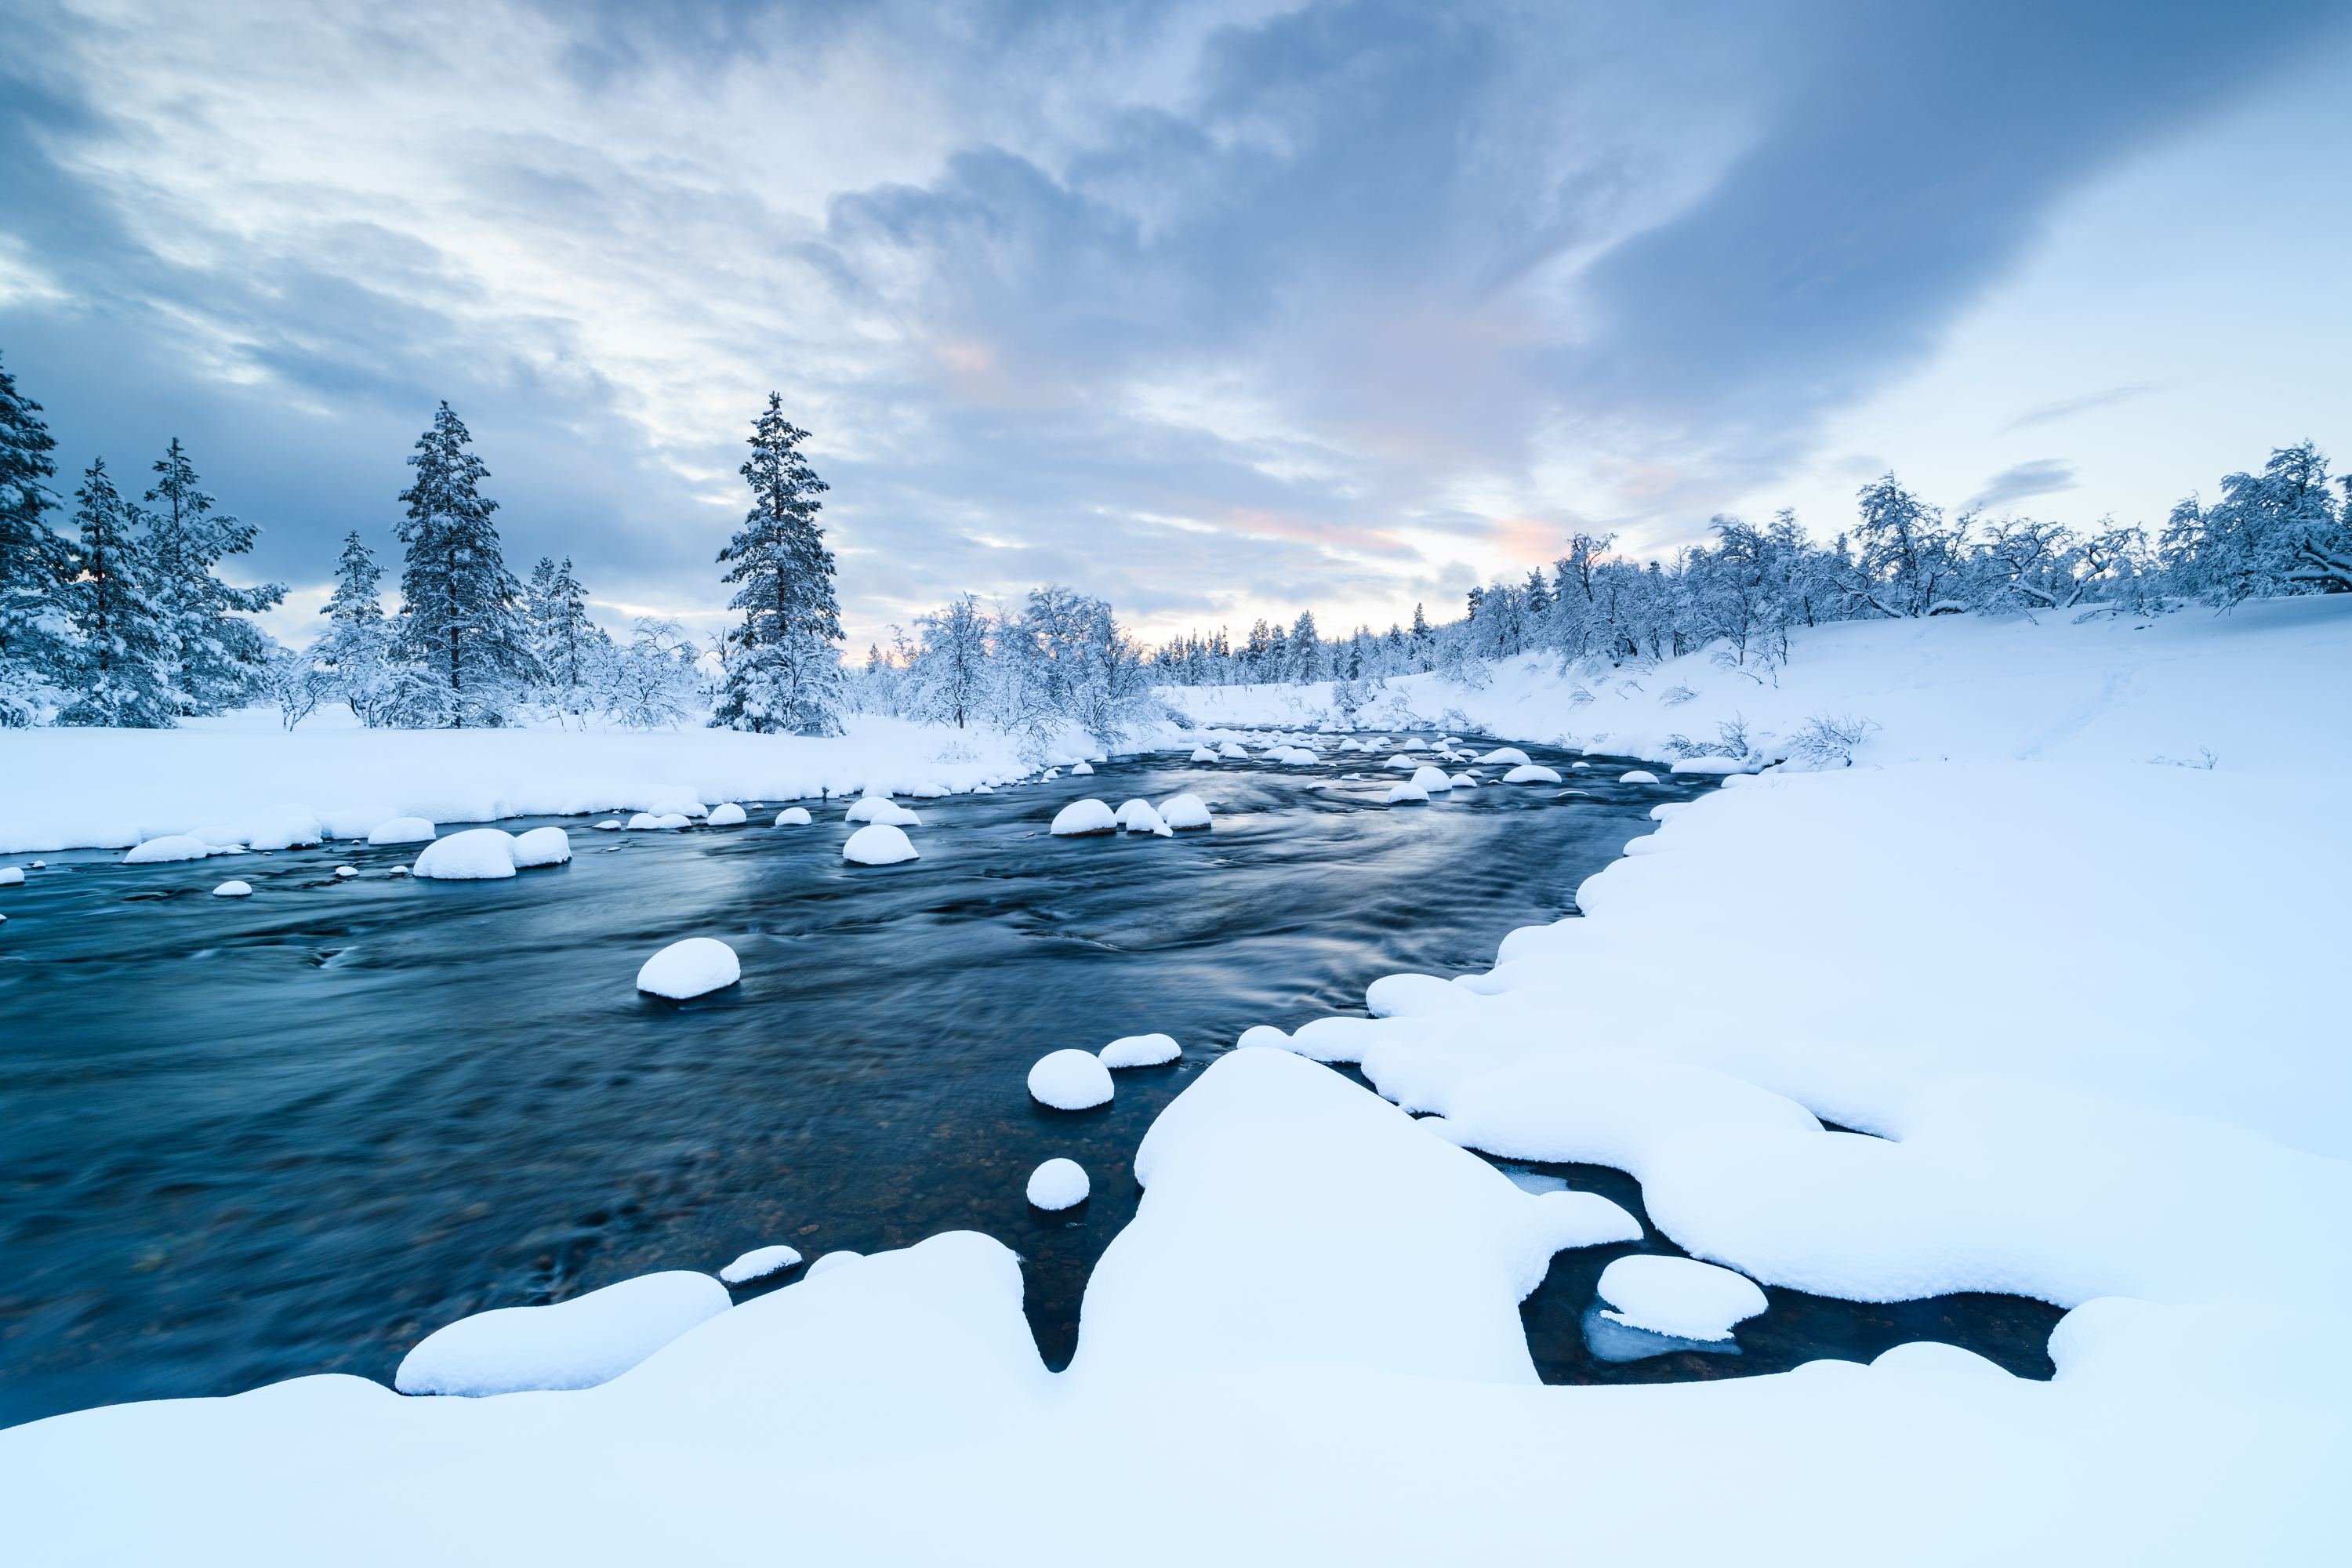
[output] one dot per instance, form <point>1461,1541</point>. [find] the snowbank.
<point>1407,794</point>
<point>170,846</point>
<point>693,967</point>
<point>579,1343</point>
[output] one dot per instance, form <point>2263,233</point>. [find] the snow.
<point>1507,756</point>
<point>11,875</point>
<point>1462,781</point>
<point>1295,756</point>
<point>347,870</point>
<point>881,808</point>
<point>1407,794</point>
<point>726,816</point>
<point>792,816</point>
<point>1202,754</point>
<point>1637,775</point>
<point>1070,1080</point>
<point>1403,762</point>
<point>833,1260</point>
<point>642,822</point>
<point>1184,813</point>
<point>1678,1295</point>
<point>693,967</point>
<point>759,1263</point>
<point>170,846</point>
<point>474,855</point>
<point>540,847</point>
<point>234,890</point>
<point>1142,817</point>
<point>579,1343</point>
<point>1140,1051</point>
<point>1703,766</point>
<point>1433,781</point>
<point>1083,768</point>
<point>402,830</point>
<point>1232,752</point>
<point>878,843</point>
<point>610,825</point>
<point>1534,773</point>
<point>1082,818</point>
<point>1058,1184</point>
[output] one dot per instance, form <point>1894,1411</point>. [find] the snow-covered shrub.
<point>1830,740</point>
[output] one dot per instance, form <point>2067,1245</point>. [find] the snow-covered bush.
<point>1828,740</point>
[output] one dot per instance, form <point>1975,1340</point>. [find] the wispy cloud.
<point>2042,476</point>
<point>2066,407</point>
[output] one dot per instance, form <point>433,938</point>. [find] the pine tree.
<point>783,663</point>
<point>218,660</point>
<point>35,644</point>
<point>567,648</point>
<point>356,651</point>
<point>122,656</point>
<point>460,635</point>
<point>1306,649</point>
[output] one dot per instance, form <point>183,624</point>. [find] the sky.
<point>1215,309</point>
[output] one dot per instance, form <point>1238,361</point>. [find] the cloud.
<point>2067,407</point>
<point>2042,476</point>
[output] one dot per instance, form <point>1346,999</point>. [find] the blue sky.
<point>1217,309</point>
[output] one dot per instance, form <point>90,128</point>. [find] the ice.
<point>792,816</point>
<point>1507,756</point>
<point>1202,754</point>
<point>878,843</point>
<point>833,1260</point>
<point>1140,1051</point>
<point>881,808</point>
<point>1407,794</point>
<point>541,847</point>
<point>726,816</point>
<point>1141,817</point>
<point>579,1343</point>
<point>1532,772</point>
<point>759,1263</point>
<point>1434,781</point>
<point>693,967</point>
<point>11,875</point>
<point>1084,818</point>
<point>170,846</point>
<point>477,854</point>
<point>1678,1295</point>
<point>1638,776</point>
<point>1184,813</point>
<point>1058,1184</point>
<point>402,830</point>
<point>1070,1080</point>
<point>1082,768</point>
<point>234,890</point>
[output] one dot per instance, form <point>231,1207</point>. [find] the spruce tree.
<point>216,659</point>
<point>569,649</point>
<point>122,654</point>
<point>461,636</point>
<point>357,647</point>
<point>36,645</point>
<point>783,664</point>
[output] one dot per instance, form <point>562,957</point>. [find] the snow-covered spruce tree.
<point>36,641</point>
<point>950,672</point>
<point>461,639</point>
<point>783,662</point>
<point>1308,661</point>
<point>571,654</point>
<point>218,660</point>
<point>2278,531</point>
<point>122,657</point>
<point>354,654</point>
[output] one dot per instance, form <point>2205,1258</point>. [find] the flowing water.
<point>242,1140</point>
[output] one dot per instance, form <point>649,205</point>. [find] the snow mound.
<point>1402,763</point>
<point>1510,756</point>
<point>170,846</point>
<point>792,816</point>
<point>1297,756</point>
<point>684,805</point>
<point>1434,779</point>
<point>610,825</point>
<point>881,808</point>
<point>1412,743</point>
<point>1058,1184</point>
<point>1639,775</point>
<point>1407,794</point>
<point>1083,768</point>
<point>1184,813</point>
<point>833,1260</point>
<point>1142,817</point>
<point>1710,765</point>
<point>478,854</point>
<point>1532,772</point>
<point>541,847</point>
<point>1202,754</point>
<point>10,876</point>
<point>759,1263</point>
<point>878,843</point>
<point>1232,752</point>
<point>726,816</point>
<point>1070,1080</point>
<point>234,890</point>
<point>402,830</point>
<point>578,1344</point>
<point>347,870</point>
<point>694,967</point>
<point>1084,818</point>
<point>1680,1297</point>
<point>1462,781</point>
<point>1139,1051</point>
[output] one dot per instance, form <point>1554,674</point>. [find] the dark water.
<point>245,1140</point>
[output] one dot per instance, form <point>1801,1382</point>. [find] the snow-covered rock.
<point>1058,1184</point>
<point>878,843</point>
<point>1142,817</point>
<point>693,967</point>
<point>684,805</point>
<point>1433,781</point>
<point>726,816</point>
<point>478,854</point>
<point>1083,768</point>
<point>347,870</point>
<point>11,875</point>
<point>1462,780</point>
<point>170,846</point>
<point>234,890</point>
<point>1140,1051</point>
<point>579,1343</point>
<point>1084,818</point>
<point>1070,1080</point>
<point>610,825</point>
<point>1233,753</point>
<point>759,1264</point>
<point>1202,754</point>
<point>1184,813</point>
<point>792,816</point>
<point>1638,776</point>
<point>1402,763</point>
<point>402,830</point>
<point>1507,756</point>
<point>1532,772</point>
<point>881,808</point>
<point>1579,764</point>
<point>1679,1296</point>
<point>839,1258</point>
<point>541,847</point>
<point>1407,792</point>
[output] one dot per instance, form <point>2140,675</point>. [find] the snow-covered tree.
<point>2278,531</point>
<point>571,654</point>
<point>783,662</point>
<point>1306,658</point>
<point>36,642</point>
<point>950,670</point>
<point>354,654</point>
<point>217,658</point>
<point>1910,559</point>
<point>461,635</point>
<point>121,666</point>
<point>654,682</point>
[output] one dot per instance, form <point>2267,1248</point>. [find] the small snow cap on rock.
<point>878,843</point>
<point>610,825</point>
<point>881,808</point>
<point>644,821</point>
<point>726,816</point>
<point>1579,764</point>
<point>1202,754</point>
<point>234,890</point>
<point>1233,752</point>
<point>1141,817</point>
<point>1507,756</point>
<point>579,1343</point>
<point>694,967</point>
<point>402,830</point>
<point>1184,813</point>
<point>1083,768</point>
<point>1639,775</point>
<point>1058,1184</point>
<point>1140,1051</point>
<point>10,876</point>
<point>1679,1296</point>
<point>478,854</point>
<point>676,805</point>
<point>541,847</point>
<point>1434,779</point>
<point>833,1260</point>
<point>1402,763</point>
<point>170,846</point>
<point>1070,1080</point>
<point>792,816</point>
<point>1462,780</point>
<point>347,870</point>
<point>1408,794</point>
<point>759,1263</point>
<point>1084,818</point>
<point>1532,772</point>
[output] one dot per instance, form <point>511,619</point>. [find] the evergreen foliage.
<point>461,638</point>
<point>782,662</point>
